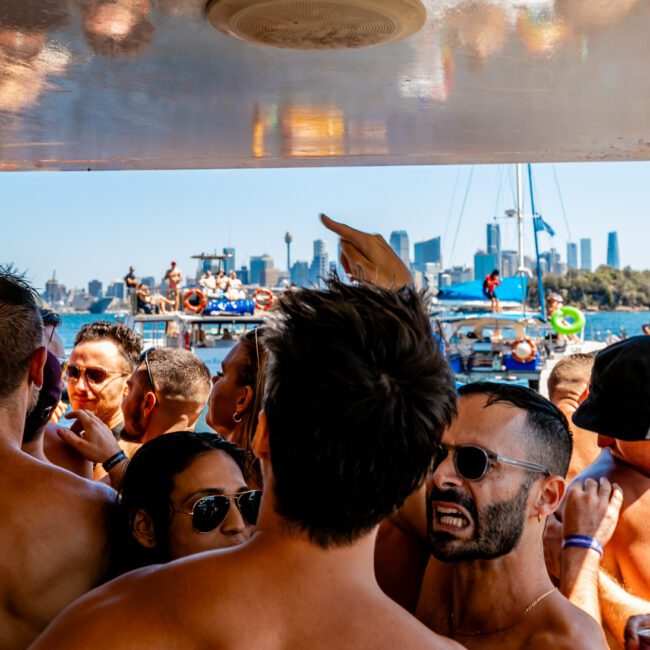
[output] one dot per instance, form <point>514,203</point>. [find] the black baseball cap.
<point>618,404</point>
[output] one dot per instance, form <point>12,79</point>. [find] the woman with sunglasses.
<point>183,493</point>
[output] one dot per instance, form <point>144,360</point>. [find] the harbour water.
<point>599,324</point>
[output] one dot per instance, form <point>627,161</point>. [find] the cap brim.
<point>605,420</point>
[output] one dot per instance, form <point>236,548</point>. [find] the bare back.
<point>242,599</point>
<point>54,537</point>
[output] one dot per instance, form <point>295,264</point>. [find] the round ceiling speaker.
<point>317,24</point>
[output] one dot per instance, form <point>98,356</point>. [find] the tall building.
<point>300,274</point>
<point>585,254</point>
<point>427,252</point>
<point>484,264</point>
<point>509,262</point>
<point>399,242</point>
<point>552,261</point>
<point>55,292</point>
<point>287,240</point>
<point>494,243</point>
<point>229,262</point>
<point>244,275</point>
<point>613,258</point>
<point>95,288</point>
<point>259,264</point>
<point>320,266</point>
<point>116,289</point>
<point>572,255</point>
<point>150,281</point>
<point>460,274</point>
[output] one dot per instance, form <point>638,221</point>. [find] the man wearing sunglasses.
<point>54,528</point>
<point>497,476</point>
<point>166,392</point>
<point>356,398</point>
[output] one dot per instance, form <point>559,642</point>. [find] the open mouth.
<point>450,516</point>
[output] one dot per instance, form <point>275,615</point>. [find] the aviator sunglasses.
<point>93,375</point>
<point>472,462</point>
<point>209,512</point>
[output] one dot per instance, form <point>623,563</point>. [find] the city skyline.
<point>94,226</point>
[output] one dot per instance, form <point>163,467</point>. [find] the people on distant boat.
<point>173,277</point>
<point>235,289</point>
<point>617,410</point>
<point>55,531</point>
<point>490,285</point>
<point>208,283</point>
<point>143,299</point>
<point>568,387</point>
<point>166,392</point>
<point>203,478</point>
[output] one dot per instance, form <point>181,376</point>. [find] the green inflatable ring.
<point>559,324</point>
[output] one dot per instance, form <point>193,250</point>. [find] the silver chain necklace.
<point>456,630</point>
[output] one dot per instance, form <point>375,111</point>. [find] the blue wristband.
<point>582,541</point>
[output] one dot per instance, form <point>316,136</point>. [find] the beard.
<point>133,430</point>
<point>497,528</point>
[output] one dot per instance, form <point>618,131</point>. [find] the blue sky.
<point>94,225</point>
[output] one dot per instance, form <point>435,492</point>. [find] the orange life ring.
<point>195,308</point>
<point>530,356</point>
<point>264,305</point>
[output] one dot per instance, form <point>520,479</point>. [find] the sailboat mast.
<point>520,223</point>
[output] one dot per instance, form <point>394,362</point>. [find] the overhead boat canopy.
<point>150,84</point>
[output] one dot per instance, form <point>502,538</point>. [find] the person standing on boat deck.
<point>568,386</point>
<point>490,284</point>
<point>617,410</point>
<point>356,397</point>
<point>498,476</point>
<point>131,283</point>
<point>103,357</point>
<point>166,392</point>
<point>54,527</point>
<point>173,277</point>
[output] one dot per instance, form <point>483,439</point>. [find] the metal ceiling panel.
<point>150,84</point>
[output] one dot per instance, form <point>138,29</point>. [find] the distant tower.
<point>572,255</point>
<point>287,240</point>
<point>585,254</point>
<point>613,258</point>
<point>399,242</point>
<point>494,243</point>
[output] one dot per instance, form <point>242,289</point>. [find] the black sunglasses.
<point>209,512</point>
<point>144,358</point>
<point>473,462</point>
<point>93,375</point>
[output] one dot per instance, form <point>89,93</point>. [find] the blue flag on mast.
<point>541,226</point>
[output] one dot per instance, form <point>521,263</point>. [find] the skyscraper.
<point>229,262</point>
<point>399,242</point>
<point>95,288</point>
<point>585,254</point>
<point>320,263</point>
<point>509,261</point>
<point>572,255</point>
<point>613,258</point>
<point>484,264</point>
<point>494,243</point>
<point>300,274</point>
<point>259,264</point>
<point>427,252</point>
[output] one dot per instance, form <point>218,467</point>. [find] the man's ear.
<point>261,445</point>
<point>550,496</point>
<point>36,366</point>
<point>143,530</point>
<point>148,403</point>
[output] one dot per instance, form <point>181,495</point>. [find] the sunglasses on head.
<point>472,462</point>
<point>93,375</point>
<point>209,512</point>
<point>144,358</point>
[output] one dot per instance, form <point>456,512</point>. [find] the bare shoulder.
<point>563,626</point>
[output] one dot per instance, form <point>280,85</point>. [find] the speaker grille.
<point>317,24</point>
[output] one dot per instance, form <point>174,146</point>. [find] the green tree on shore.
<point>605,288</point>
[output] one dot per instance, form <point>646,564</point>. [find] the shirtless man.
<point>618,410</point>
<point>568,386</point>
<point>356,398</point>
<point>54,530</point>
<point>498,476</point>
<point>166,392</point>
<point>173,277</point>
